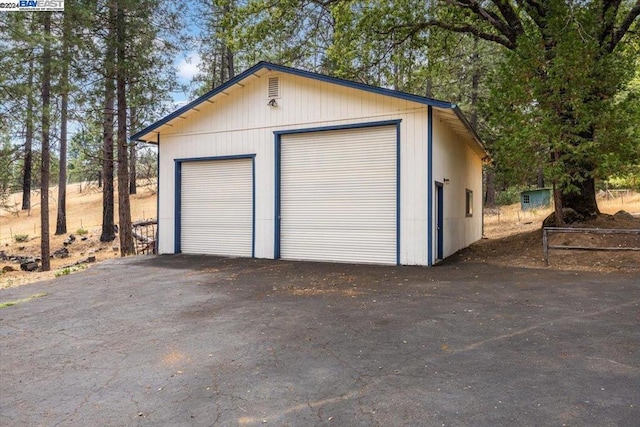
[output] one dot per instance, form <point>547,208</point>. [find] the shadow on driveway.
<point>202,341</point>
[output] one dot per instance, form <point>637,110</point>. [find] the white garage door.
<point>338,195</point>
<point>217,207</point>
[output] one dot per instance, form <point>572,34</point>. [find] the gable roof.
<point>452,113</point>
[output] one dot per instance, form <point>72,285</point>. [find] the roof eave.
<point>471,129</point>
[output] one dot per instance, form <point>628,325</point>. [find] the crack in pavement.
<point>540,325</point>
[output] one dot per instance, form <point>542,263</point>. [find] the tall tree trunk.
<point>108,226</point>
<point>584,200</point>
<point>133,187</point>
<point>231,69</point>
<point>580,170</point>
<point>490,196</point>
<point>28,144</point>
<point>557,206</point>
<point>475,83</point>
<point>124,207</point>
<point>558,203</point>
<point>61,219</point>
<point>540,178</point>
<point>227,68</point>
<point>213,70</point>
<point>44,167</point>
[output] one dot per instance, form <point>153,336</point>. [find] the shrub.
<point>630,181</point>
<point>81,231</point>
<point>21,237</point>
<point>508,197</point>
<point>68,270</point>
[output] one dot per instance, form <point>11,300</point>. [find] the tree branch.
<point>535,11</point>
<point>467,29</point>
<point>624,26</point>
<point>607,20</point>
<point>510,15</point>
<point>490,17</point>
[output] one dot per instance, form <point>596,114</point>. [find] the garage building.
<point>283,163</point>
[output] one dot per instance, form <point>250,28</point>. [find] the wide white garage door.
<point>338,198</point>
<point>217,207</point>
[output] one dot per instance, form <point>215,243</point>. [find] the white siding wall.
<point>456,161</point>
<point>242,123</point>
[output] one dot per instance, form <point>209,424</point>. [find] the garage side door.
<point>338,195</point>
<point>217,207</point>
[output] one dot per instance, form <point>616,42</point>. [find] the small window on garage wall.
<point>469,202</point>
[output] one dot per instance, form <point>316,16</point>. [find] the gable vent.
<point>274,87</point>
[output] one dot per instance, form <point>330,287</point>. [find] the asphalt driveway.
<point>202,341</point>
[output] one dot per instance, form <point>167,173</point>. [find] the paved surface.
<point>202,341</point>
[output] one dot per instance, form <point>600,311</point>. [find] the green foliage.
<point>20,301</point>
<point>148,164</point>
<point>85,156</point>
<point>565,103</point>
<point>82,231</point>
<point>508,196</point>
<point>630,181</point>
<point>68,270</point>
<point>20,238</point>
<point>8,170</point>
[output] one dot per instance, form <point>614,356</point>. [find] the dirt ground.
<point>84,211</point>
<point>512,237</point>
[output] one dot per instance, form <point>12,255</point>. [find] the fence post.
<point>545,246</point>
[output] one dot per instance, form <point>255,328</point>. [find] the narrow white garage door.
<point>217,207</point>
<point>338,195</point>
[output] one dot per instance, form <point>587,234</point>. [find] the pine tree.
<point>108,225</point>
<point>124,205</point>
<point>61,218</point>
<point>45,161</point>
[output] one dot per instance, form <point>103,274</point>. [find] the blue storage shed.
<point>535,199</point>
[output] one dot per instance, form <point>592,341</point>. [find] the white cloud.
<point>180,104</point>
<point>188,66</point>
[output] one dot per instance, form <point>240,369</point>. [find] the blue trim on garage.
<point>277,178</point>
<point>178,195</point>
<point>177,219</point>
<point>440,220</point>
<point>276,216</point>
<point>253,206</point>
<point>338,127</point>
<point>398,192</point>
<point>429,185</point>
<point>157,236</point>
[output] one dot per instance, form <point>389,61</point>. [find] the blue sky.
<point>187,61</point>
<point>187,66</point>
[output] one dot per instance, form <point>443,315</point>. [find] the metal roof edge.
<point>356,85</point>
